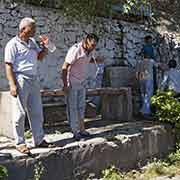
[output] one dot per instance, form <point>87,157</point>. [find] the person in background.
<point>144,74</point>
<point>171,78</point>
<point>152,50</point>
<point>74,79</point>
<point>149,49</point>
<point>21,56</point>
<point>99,80</point>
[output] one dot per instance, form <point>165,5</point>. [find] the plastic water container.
<point>47,43</point>
<point>100,69</point>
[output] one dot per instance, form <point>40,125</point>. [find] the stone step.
<point>125,145</point>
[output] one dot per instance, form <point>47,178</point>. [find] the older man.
<point>74,78</point>
<point>21,56</point>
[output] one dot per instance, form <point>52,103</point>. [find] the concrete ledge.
<point>116,102</point>
<point>125,145</point>
<point>90,92</point>
<point>7,109</point>
<point>116,105</point>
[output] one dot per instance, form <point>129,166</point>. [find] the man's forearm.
<point>64,77</point>
<point>10,74</point>
<point>42,54</point>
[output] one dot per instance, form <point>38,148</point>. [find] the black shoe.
<point>85,134</point>
<point>148,117</point>
<point>45,144</point>
<point>82,135</point>
<point>77,137</point>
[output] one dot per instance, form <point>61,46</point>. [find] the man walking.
<point>74,79</point>
<point>21,56</point>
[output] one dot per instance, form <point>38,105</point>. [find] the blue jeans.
<point>76,103</point>
<point>146,90</point>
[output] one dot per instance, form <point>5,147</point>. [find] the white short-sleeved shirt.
<point>78,58</point>
<point>22,55</point>
<point>171,80</point>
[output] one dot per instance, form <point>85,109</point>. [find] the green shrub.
<point>167,107</point>
<point>112,173</point>
<point>174,157</point>
<point>3,173</point>
<point>38,171</point>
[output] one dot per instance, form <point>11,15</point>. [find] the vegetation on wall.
<point>89,8</point>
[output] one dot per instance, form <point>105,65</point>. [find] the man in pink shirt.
<point>74,79</point>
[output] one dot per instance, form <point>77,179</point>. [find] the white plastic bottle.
<point>47,43</point>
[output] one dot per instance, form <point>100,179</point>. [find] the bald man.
<point>21,56</point>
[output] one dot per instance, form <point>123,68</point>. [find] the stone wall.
<point>120,42</point>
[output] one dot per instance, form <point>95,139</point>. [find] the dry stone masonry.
<point>120,43</point>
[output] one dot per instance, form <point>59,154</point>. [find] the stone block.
<point>119,76</point>
<point>6,114</point>
<point>118,106</point>
<point>16,169</point>
<point>54,113</point>
<point>90,110</point>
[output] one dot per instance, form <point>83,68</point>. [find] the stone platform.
<point>125,145</point>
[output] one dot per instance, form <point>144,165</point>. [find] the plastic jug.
<point>47,43</point>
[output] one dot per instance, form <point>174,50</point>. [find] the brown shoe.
<point>22,148</point>
<point>45,144</point>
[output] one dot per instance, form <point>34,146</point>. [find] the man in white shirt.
<point>171,79</point>
<point>21,56</point>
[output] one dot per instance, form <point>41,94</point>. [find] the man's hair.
<point>172,64</point>
<point>92,36</point>
<point>146,38</point>
<point>26,22</point>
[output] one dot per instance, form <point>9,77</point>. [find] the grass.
<point>3,173</point>
<point>38,171</point>
<point>169,167</point>
<point>28,134</point>
<point>159,168</point>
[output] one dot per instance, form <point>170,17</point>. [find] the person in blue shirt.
<point>149,49</point>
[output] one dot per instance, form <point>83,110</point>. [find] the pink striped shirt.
<point>78,58</point>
